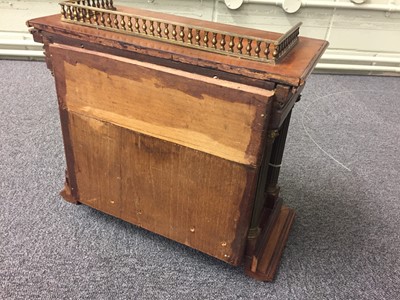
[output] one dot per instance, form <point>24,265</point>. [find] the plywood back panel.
<point>214,116</point>
<point>189,196</point>
<point>174,152</point>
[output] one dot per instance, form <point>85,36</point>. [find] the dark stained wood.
<point>178,140</point>
<point>267,265</point>
<point>123,52</point>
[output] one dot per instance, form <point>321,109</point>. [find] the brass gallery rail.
<point>103,15</point>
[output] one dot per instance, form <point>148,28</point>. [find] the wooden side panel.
<point>189,196</point>
<point>211,115</point>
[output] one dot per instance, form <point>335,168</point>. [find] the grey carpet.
<point>341,174</point>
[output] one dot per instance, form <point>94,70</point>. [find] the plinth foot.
<point>265,266</point>
<point>67,195</point>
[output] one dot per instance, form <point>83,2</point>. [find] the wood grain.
<point>166,188</point>
<point>204,113</point>
<point>268,263</point>
<point>293,70</point>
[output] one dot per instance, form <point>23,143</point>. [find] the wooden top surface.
<point>292,70</point>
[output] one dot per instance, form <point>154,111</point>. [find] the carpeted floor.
<point>341,174</point>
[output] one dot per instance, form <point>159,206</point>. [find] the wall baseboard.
<point>19,45</point>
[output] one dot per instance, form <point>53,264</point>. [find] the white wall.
<point>359,39</point>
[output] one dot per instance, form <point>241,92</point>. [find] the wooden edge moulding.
<point>102,14</point>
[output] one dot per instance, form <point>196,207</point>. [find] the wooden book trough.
<point>178,125</point>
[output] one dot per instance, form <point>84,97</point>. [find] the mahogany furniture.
<point>178,125</point>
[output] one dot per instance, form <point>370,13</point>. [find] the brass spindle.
<point>116,23</point>
<point>137,25</point>
<point>248,48</point>
<point>102,20</point>
<point>266,51</point>
<point>144,26</point>
<point>258,48</point>
<point>214,41</point>
<point>240,45</point>
<point>88,16</point>
<point>276,51</point>
<point>174,33</point>
<point>231,44</point>
<point>166,30</point>
<point>108,20</point>
<point>81,17</point>
<point>63,12</point>
<point>197,37</point>
<point>95,19</point>
<point>222,42</point>
<point>182,34</point>
<point>122,23</point>
<point>159,29</point>
<point>205,39</point>
<point>74,14</point>
<point>130,24</point>
<point>190,36</point>
<point>68,13</point>
<point>151,28</point>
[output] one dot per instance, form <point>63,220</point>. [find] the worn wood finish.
<point>293,70</point>
<point>166,188</point>
<point>267,264</point>
<point>146,144</point>
<point>204,113</point>
<point>177,140</point>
